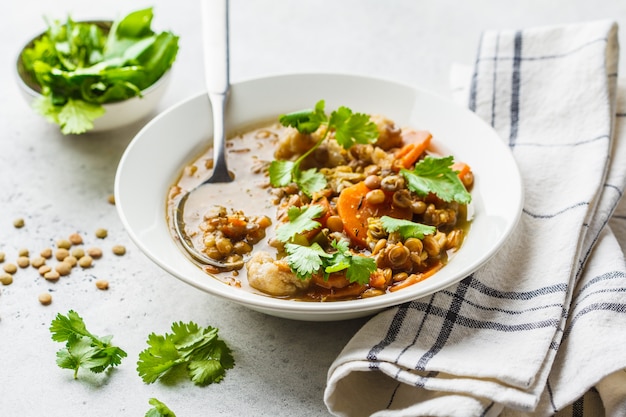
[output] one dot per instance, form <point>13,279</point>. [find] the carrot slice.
<point>354,210</point>
<point>410,153</point>
<point>465,173</point>
<point>415,278</point>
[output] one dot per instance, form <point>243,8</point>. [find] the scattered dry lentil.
<point>102,284</point>
<point>46,253</point>
<point>64,244</point>
<point>6,278</point>
<point>23,252</point>
<point>38,261</point>
<point>61,254</point>
<point>23,261</point>
<point>52,275</point>
<point>63,268</point>
<point>71,260</point>
<point>1,256</point>
<point>111,199</point>
<point>18,223</point>
<point>78,253</point>
<point>45,298</point>
<point>101,233</point>
<point>10,268</point>
<point>76,239</point>
<point>43,269</point>
<point>85,261</point>
<point>95,253</point>
<point>119,250</point>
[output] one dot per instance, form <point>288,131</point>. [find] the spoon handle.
<point>216,69</point>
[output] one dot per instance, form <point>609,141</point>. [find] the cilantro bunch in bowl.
<point>79,71</point>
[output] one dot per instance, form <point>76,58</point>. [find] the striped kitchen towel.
<point>541,329</point>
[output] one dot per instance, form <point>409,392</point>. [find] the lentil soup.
<point>367,210</point>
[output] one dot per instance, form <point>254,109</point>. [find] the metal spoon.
<point>216,66</point>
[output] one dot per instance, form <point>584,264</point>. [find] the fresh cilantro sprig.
<point>406,228</point>
<point>301,219</point>
<point>199,349</point>
<point>308,260</point>
<point>350,128</point>
<point>435,175</point>
<point>82,348</point>
<point>159,409</point>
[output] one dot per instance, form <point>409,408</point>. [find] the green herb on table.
<point>350,128</point>
<point>435,175</point>
<point>159,409</point>
<point>80,66</point>
<point>82,348</point>
<point>199,349</point>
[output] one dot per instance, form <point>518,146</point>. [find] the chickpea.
<point>372,181</point>
<point>375,196</point>
<point>334,224</point>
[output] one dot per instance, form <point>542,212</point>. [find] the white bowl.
<point>155,157</point>
<point>117,114</point>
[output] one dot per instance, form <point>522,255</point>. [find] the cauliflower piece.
<point>273,277</point>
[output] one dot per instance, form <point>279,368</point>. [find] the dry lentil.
<point>101,233</point>
<point>63,268</point>
<point>71,260</point>
<point>45,298</point>
<point>102,284</point>
<point>95,253</point>
<point>23,252</point>
<point>18,223</point>
<point>10,268</point>
<point>61,254</point>
<point>37,261</point>
<point>23,261</point>
<point>2,256</point>
<point>64,244</point>
<point>77,253</point>
<point>119,250</point>
<point>52,275</point>
<point>6,278</point>
<point>75,239</point>
<point>111,199</point>
<point>44,269</point>
<point>85,261</point>
<point>46,253</point>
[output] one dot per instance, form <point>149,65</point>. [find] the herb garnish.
<point>406,228</point>
<point>349,127</point>
<point>199,349</point>
<point>159,409</point>
<point>79,66</point>
<point>435,175</point>
<point>82,348</point>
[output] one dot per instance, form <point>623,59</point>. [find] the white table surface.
<point>60,185</point>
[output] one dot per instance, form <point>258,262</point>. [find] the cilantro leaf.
<point>77,116</point>
<point>308,260</point>
<point>82,348</point>
<point>159,409</point>
<point>281,173</point>
<point>310,181</point>
<point>306,121</point>
<point>351,128</point>
<point>305,260</point>
<point>435,175</point>
<point>406,228</point>
<point>205,356</point>
<point>300,220</point>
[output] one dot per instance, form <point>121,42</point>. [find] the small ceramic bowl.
<point>119,113</point>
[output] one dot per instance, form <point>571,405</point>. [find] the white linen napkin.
<point>541,329</point>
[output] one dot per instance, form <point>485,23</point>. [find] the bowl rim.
<point>315,310</point>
